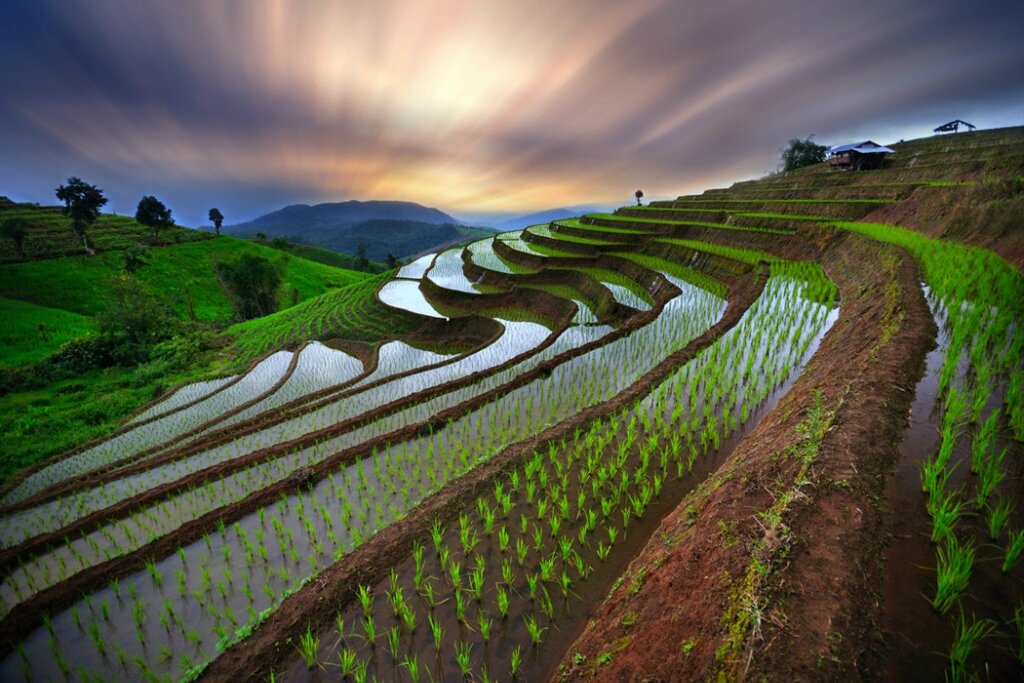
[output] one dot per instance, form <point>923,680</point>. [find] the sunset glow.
<point>471,106</point>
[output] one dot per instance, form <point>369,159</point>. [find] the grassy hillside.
<point>325,256</point>
<point>50,236</point>
<point>32,332</point>
<point>349,313</point>
<point>175,273</point>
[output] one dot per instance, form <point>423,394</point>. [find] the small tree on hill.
<point>134,258</point>
<point>152,212</point>
<point>362,263</point>
<point>252,283</point>
<point>82,203</point>
<point>217,217</point>
<point>800,153</point>
<point>639,195</point>
<point>391,260</point>
<point>16,230</point>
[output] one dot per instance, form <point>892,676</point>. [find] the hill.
<point>62,293</point>
<point>399,228</point>
<point>320,255</point>
<point>50,236</point>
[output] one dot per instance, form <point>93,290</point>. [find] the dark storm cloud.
<point>474,106</point>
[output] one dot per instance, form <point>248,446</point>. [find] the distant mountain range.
<point>400,228</point>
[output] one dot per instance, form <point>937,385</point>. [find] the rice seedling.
<point>535,631</point>
<point>308,647</point>
<point>953,572</point>
<point>1014,550</point>
<point>966,637</point>
<point>463,654</point>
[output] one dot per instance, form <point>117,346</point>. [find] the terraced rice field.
<point>639,465</point>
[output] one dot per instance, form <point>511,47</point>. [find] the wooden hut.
<point>954,127</point>
<point>858,156</point>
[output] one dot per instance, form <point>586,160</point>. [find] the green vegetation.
<point>799,153</point>
<point>325,256</point>
<point>32,332</point>
<point>352,312</point>
<point>181,274</point>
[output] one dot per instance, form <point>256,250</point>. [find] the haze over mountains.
<point>399,228</point>
<point>384,227</point>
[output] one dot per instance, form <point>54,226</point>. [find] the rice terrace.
<point>768,431</point>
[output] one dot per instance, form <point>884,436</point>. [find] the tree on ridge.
<point>82,203</point>
<point>217,217</point>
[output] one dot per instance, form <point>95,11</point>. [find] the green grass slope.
<point>32,332</point>
<point>350,313</point>
<point>50,236</point>
<point>176,273</point>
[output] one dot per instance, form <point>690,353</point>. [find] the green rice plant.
<point>1017,625</point>
<point>436,630</point>
<point>515,662</point>
<point>347,660</point>
<point>966,637</point>
<point>990,474</point>
<point>502,599</point>
<point>365,599</point>
<point>945,511</point>
<point>463,657</point>
<point>1014,550</point>
<point>953,572</point>
<point>484,625</point>
<point>983,441</point>
<point>535,631</point>
<point>409,618</point>
<point>998,516</point>
<point>394,635</point>
<point>412,666</point>
<point>370,630</point>
<point>308,646</point>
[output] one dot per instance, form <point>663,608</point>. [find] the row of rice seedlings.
<point>482,254</point>
<point>409,471</point>
<point>186,394</point>
<point>608,217</point>
<point>125,445</point>
<point>549,523</point>
<point>447,272</point>
<point>519,338</point>
<point>124,536</point>
<point>976,300</point>
<point>318,368</point>
<point>608,240</point>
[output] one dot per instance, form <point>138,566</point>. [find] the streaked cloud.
<point>471,105</point>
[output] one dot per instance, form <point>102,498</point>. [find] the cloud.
<point>472,105</point>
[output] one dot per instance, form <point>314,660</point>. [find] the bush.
<point>252,283</point>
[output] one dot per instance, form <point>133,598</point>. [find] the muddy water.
<point>918,637</point>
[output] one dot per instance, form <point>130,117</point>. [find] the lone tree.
<point>82,203</point>
<point>217,217</point>
<point>252,283</point>
<point>152,212</point>
<point>16,230</point>
<point>362,263</point>
<point>135,258</point>
<point>800,153</point>
<point>391,260</point>
<point>638,194</point>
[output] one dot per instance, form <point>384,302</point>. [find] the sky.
<point>476,107</point>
